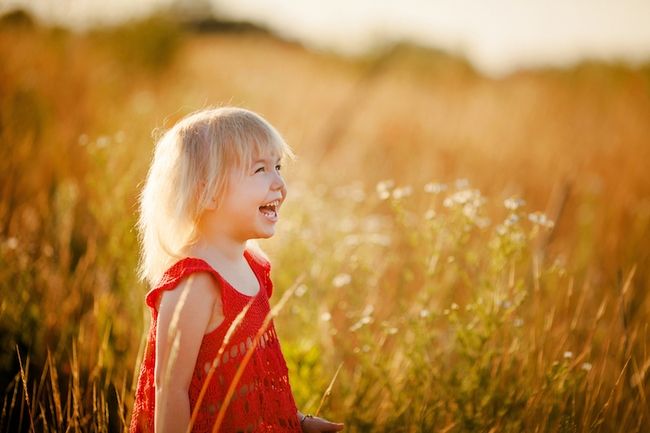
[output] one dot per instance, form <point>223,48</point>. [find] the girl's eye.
<point>259,170</point>
<point>278,167</point>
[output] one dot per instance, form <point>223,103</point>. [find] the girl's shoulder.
<point>174,275</point>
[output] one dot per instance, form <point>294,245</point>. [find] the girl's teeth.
<point>269,213</point>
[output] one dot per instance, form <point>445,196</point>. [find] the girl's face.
<point>250,207</point>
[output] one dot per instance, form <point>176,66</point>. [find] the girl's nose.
<point>278,182</point>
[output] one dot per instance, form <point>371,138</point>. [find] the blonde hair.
<point>190,167</point>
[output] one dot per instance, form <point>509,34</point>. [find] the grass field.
<point>474,252</point>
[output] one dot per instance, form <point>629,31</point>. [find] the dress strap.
<point>256,259</point>
<point>173,276</point>
<point>230,297</point>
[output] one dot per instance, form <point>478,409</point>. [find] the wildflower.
<point>383,195</point>
<point>301,290</point>
<point>540,219</point>
<point>501,230</point>
<point>470,211</point>
<point>368,310</point>
<point>103,141</point>
<point>517,237</point>
<point>511,220</point>
<point>361,323</point>
<point>518,322</point>
<point>326,316</point>
<point>462,197</point>
<point>568,354</point>
<point>341,280</point>
<point>454,306</point>
<point>399,193</point>
<point>513,203</point>
<point>586,366</point>
<point>383,188</point>
<point>424,313</point>
<point>435,188</point>
<point>430,214</point>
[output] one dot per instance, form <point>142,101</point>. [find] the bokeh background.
<point>469,212</point>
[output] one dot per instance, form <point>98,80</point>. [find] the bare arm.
<point>183,316</point>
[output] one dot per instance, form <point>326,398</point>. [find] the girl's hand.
<point>317,425</point>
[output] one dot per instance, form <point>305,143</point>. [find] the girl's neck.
<point>219,249</point>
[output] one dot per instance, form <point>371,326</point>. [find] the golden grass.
<point>438,319</point>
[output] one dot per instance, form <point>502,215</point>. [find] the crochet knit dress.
<point>262,401</point>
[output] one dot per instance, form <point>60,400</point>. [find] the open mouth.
<point>270,210</point>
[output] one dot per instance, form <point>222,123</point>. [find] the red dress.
<point>262,401</point>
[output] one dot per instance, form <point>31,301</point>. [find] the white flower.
<point>469,211</point>
<point>361,323</point>
<point>399,193</point>
<point>301,290</point>
<point>383,188</point>
<point>368,310</point>
<point>424,313</point>
<point>103,141</point>
<point>341,280</point>
<point>513,203</point>
<point>511,220</point>
<point>430,214</point>
<point>586,366</point>
<point>326,316</point>
<point>383,195</point>
<point>517,237</point>
<point>435,187</point>
<point>540,219</point>
<point>568,354</point>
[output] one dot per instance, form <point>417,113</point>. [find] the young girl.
<point>214,184</point>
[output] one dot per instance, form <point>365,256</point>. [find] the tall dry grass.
<point>446,310</point>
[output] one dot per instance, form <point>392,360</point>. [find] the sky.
<point>497,36</point>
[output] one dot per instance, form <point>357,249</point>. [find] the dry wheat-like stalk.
<point>328,391</point>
